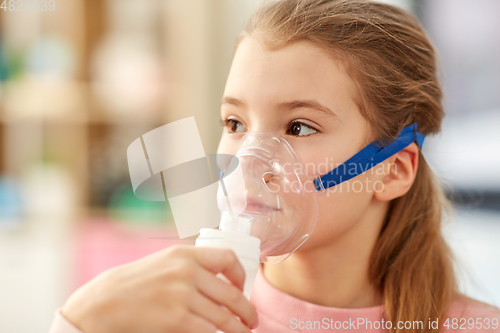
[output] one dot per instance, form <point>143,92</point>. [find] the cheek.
<point>228,143</point>
<point>339,209</point>
<point>319,159</point>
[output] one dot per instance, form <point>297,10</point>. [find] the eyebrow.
<point>295,104</point>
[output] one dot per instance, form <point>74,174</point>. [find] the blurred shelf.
<point>60,118</point>
<point>68,102</point>
<point>33,99</point>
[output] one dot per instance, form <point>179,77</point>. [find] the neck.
<point>333,275</point>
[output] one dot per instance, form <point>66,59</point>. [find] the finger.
<point>223,319</point>
<point>195,323</point>
<point>221,261</point>
<point>225,294</point>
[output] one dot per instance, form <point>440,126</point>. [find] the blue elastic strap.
<point>368,157</point>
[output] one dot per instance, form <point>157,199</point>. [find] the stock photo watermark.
<point>345,174</point>
<point>28,5</point>
<point>363,324</point>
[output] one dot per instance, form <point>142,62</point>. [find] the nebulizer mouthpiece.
<point>268,195</point>
<point>267,203</point>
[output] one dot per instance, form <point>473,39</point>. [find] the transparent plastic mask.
<point>269,187</point>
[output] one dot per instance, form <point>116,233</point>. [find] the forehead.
<point>299,70</point>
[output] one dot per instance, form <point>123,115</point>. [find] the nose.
<point>257,168</point>
<point>267,177</point>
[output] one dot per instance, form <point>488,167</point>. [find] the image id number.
<point>28,5</point>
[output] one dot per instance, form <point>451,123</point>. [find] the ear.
<point>399,175</point>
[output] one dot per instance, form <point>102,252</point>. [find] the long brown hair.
<point>388,55</point>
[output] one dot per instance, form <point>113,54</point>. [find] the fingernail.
<point>255,324</point>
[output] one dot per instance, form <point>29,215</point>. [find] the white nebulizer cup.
<point>267,202</point>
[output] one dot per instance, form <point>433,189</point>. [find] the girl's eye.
<point>298,128</point>
<point>234,126</point>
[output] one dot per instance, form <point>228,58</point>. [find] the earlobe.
<point>400,172</point>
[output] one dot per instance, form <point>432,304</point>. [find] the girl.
<point>330,77</point>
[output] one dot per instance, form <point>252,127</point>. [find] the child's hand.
<point>174,290</point>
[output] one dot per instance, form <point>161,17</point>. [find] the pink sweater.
<point>280,312</point>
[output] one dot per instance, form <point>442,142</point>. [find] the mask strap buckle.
<point>368,157</point>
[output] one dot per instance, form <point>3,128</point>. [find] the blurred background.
<point>80,82</point>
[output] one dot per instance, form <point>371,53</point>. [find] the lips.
<point>259,207</point>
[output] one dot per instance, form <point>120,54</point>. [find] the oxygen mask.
<point>268,194</point>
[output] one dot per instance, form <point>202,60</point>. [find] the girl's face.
<point>302,94</point>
